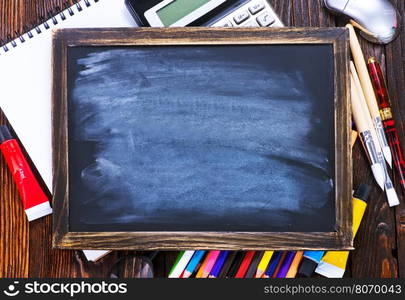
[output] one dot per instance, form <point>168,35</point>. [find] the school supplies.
<point>280,263</point>
<point>361,117</point>
<point>384,105</point>
<point>211,259</point>
<point>181,262</point>
<point>227,264</point>
<point>333,264</point>
<point>286,264</point>
<point>264,262</point>
<point>354,137</point>
<point>368,91</point>
<point>273,264</point>
<point>216,269</point>
<point>358,96</point>
<point>236,264</point>
<point>251,272</point>
<point>309,262</point>
<point>28,64</point>
<point>247,259</point>
<point>193,263</point>
<point>292,272</point>
<point>36,203</point>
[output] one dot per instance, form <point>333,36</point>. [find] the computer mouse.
<point>378,20</point>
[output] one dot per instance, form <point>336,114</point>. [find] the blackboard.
<point>218,137</point>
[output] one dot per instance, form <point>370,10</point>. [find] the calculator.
<point>209,13</point>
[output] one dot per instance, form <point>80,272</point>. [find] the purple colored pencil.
<point>286,264</point>
<point>216,269</point>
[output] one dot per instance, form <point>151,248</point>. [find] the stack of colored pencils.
<point>236,264</point>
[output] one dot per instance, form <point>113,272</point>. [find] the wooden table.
<point>25,249</point>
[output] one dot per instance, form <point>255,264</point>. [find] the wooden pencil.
<point>236,264</point>
<point>227,264</point>
<point>292,272</point>
<point>176,262</point>
<point>211,259</point>
<point>280,263</point>
<point>247,259</point>
<point>202,266</point>
<point>264,262</point>
<point>192,265</point>
<point>273,264</point>
<point>251,272</point>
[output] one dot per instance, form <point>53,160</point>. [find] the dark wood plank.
<point>14,253</point>
<point>311,13</point>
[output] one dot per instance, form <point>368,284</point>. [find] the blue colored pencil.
<point>216,269</point>
<point>193,263</point>
<point>286,264</point>
<point>273,264</point>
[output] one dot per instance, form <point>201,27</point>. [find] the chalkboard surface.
<point>201,138</point>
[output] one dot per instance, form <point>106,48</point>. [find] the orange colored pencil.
<point>292,272</point>
<point>211,259</point>
<point>201,269</point>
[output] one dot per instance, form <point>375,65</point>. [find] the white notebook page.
<point>26,78</point>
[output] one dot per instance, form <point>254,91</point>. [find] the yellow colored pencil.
<point>264,262</point>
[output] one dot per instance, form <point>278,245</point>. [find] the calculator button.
<point>227,24</point>
<point>239,18</point>
<point>265,19</point>
<point>255,8</point>
<point>251,23</point>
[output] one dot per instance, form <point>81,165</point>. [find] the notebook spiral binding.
<point>53,17</point>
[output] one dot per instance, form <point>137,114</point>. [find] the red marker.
<point>384,106</point>
<point>36,203</point>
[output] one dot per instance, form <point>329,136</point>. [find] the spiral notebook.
<point>26,75</point>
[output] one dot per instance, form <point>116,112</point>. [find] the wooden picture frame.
<point>340,239</point>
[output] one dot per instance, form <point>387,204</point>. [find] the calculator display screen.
<point>178,9</point>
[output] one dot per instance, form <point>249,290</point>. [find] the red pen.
<point>384,106</point>
<point>36,203</point>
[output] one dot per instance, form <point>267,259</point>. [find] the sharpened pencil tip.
<point>379,175</point>
<point>392,197</point>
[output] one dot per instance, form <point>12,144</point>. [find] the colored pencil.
<point>181,264</point>
<point>176,262</point>
<point>273,264</point>
<point>211,259</point>
<point>227,264</point>
<point>251,272</point>
<point>202,266</point>
<point>216,269</point>
<point>286,264</point>
<point>247,259</point>
<point>354,137</point>
<point>280,263</point>
<point>193,263</point>
<point>264,262</point>
<point>292,272</point>
<point>236,264</point>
